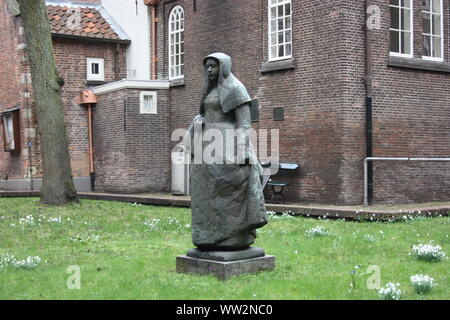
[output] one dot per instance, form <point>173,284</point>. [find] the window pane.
<point>280,24</point>
<point>426,46</point>
<point>273,38</point>
<point>281,51</point>
<point>288,9</point>
<point>395,41</point>
<point>394,2</point>
<point>437,6</point>
<point>95,68</point>
<point>287,22</point>
<point>436,24</point>
<point>288,36</point>
<point>426,5</point>
<point>426,22</point>
<point>273,12</point>
<point>395,18</point>
<point>288,49</point>
<point>406,19</point>
<point>405,43</point>
<point>9,131</point>
<point>437,47</point>
<point>406,3</point>
<point>280,37</point>
<point>273,25</point>
<point>273,51</point>
<point>280,11</point>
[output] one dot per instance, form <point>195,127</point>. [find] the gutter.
<point>89,39</point>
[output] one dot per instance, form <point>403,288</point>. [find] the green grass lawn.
<point>124,252</point>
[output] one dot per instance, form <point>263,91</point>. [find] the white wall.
<point>137,26</point>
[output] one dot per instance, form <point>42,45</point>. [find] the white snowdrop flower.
<point>317,231</point>
<point>428,252</point>
<point>28,263</point>
<point>390,292</point>
<point>422,283</point>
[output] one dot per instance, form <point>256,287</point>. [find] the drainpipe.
<point>153,4</point>
<point>87,97</point>
<point>116,62</point>
<point>368,83</point>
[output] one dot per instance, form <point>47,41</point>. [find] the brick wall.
<point>71,61</point>
<point>14,82</point>
<point>411,112</point>
<point>324,96</point>
<point>310,94</point>
<point>131,149</point>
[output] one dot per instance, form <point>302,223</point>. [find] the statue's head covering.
<point>232,92</point>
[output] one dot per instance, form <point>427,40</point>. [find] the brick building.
<point>313,69</point>
<point>309,58</point>
<point>90,49</point>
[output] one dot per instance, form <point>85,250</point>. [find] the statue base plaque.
<point>225,264</point>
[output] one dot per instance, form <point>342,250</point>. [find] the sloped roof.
<point>82,22</point>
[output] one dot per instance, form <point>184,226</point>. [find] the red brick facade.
<point>322,92</point>
<point>324,95</point>
<point>15,82</point>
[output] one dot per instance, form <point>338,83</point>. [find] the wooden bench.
<point>277,186</point>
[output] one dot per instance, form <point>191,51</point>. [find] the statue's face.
<point>212,68</point>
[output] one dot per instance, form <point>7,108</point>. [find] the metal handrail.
<point>366,160</point>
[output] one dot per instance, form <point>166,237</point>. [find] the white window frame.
<point>411,31</point>
<point>272,4</point>
<point>153,98</point>
<point>441,13</point>
<point>174,34</point>
<point>101,66</point>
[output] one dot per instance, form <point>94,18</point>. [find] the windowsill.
<point>272,66</point>
<point>419,64</point>
<point>176,82</point>
<point>95,82</point>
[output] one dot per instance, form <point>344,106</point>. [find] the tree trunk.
<point>57,183</point>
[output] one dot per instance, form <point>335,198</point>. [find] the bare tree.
<point>57,183</point>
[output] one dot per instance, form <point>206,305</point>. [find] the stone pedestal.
<point>225,264</point>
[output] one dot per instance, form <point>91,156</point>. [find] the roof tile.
<point>80,21</point>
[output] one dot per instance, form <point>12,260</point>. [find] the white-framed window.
<point>432,30</point>
<point>95,69</point>
<point>148,103</point>
<point>176,43</point>
<point>401,29</point>
<point>280,29</point>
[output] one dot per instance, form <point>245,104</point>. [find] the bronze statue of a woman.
<point>227,199</point>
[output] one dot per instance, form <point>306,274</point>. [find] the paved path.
<point>382,212</point>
